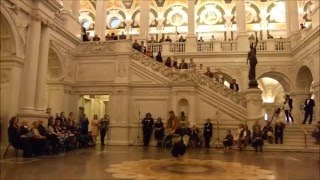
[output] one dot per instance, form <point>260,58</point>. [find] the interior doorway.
<point>93,104</point>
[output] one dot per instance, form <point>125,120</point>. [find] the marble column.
<point>292,19</point>
<point>191,38</point>
<point>244,80</point>
<point>40,103</point>
<point>31,67</point>
<point>100,21</point>
<point>144,19</point>
<point>242,37</point>
<point>75,7</point>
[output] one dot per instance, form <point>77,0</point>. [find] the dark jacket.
<point>207,131</point>
<point>308,106</point>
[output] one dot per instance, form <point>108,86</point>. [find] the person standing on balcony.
<point>308,109</point>
<point>152,40</point>
<point>200,40</point>
<point>168,39</point>
<point>181,39</point>
<point>122,36</point>
<point>113,37</point>
<point>96,38</point>
<point>183,65</point>
<point>191,64</point>
<point>234,86</point>
<point>103,126</point>
<point>159,57</point>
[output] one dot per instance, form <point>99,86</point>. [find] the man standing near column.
<point>234,86</point>
<point>207,133</point>
<point>308,109</point>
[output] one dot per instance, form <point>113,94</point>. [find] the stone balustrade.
<point>191,76</point>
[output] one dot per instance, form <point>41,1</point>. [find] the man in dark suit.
<point>207,133</point>
<point>183,64</point>
<point>234,86</point>
<point>308,109</point>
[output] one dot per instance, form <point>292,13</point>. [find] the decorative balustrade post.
<point>166,49</point>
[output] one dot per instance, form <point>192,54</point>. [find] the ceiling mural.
<point>167,15</point>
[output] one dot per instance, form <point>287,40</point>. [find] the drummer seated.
<point>194,133</point>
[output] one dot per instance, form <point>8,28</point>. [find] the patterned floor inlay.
<point>187,169</point>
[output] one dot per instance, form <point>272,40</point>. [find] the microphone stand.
<point>136,141</point>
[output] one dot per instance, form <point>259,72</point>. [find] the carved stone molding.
<point>95,47</point>
<point>5,76</point>
<point>194,77</point>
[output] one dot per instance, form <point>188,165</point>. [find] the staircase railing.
<point>190,75</point>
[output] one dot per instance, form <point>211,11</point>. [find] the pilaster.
<point>144,19</point>
<point>100,21</point>
<point>242,37</point>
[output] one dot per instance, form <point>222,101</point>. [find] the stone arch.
<point>55,65</point>
<point>304,79</point>
<point>7,20</point>
<point>283,79</point>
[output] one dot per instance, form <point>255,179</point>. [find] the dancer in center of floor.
<point>180,141</point>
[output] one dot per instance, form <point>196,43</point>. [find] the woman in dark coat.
<point>159,57</point>
<point>147,126</point>
<point>159,131</point>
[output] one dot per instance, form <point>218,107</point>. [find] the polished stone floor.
<point>131,162</point>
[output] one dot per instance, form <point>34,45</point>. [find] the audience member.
<point>212,38</point>
<point>183,64</point>
<point>207,133</point>
<point>257,140</point>
<point>194,133</point>
<point>159,57</point>
<point>108,37</point>
<point>209,73</point>
<point>152,40</point>
<point>135,45</point>
<point>302,26</point>
<point>234,86</point>
<point>84,124</point>
<point>168,62</point>
<point>122,36</point>
<point>147,127</point>
<point>113,37</point>
<point>278,132</point>
<point>227,141</point>
<point>159,131</point>
<point>267,132</point>
<point>191,64</point>
<point>168,39</point>
<point>142,48</point>
<point>181,39</point>
<point>201,69</point>
<point>200,40</point>
<point>175,64</point>
<point>96,38</point>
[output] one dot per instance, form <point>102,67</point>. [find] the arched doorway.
<point>9,76</point>
<point>54,91</point>
<point>183,105</point>
<point>304,79</point>
<point>273,95</point>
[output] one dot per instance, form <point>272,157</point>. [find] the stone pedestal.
<point>191,43</point>
<point>298,99</point>
<point>254,106</point>
<point>243,42</point>
<point>253,84</point>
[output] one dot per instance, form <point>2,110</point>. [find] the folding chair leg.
<point>5,153</point>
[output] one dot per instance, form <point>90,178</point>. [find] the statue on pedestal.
<point>253,62</point>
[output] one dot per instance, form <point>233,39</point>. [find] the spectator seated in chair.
<point>267,132</point>
<point>228,141</point>
<point>194,134</point>
<point>316,133</point>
